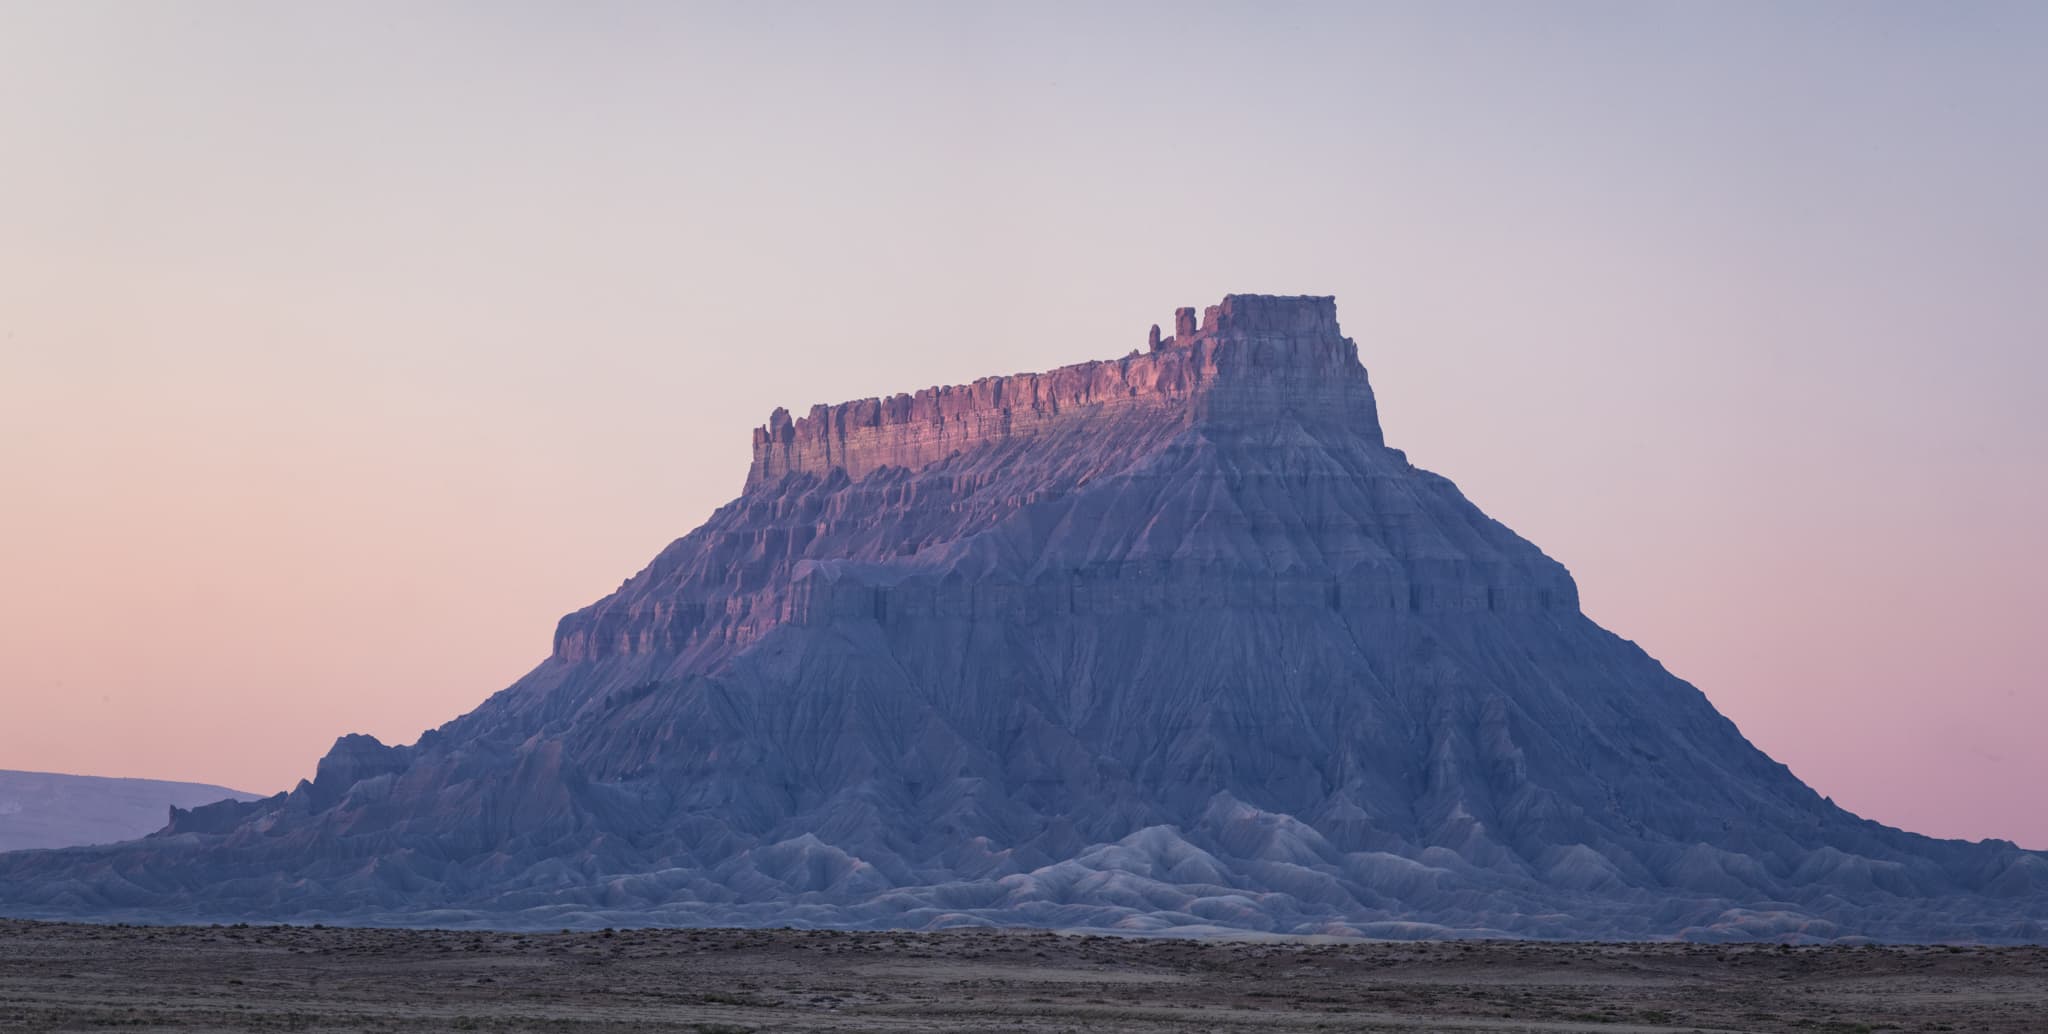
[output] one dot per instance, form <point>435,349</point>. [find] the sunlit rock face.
<point>1166,643</point>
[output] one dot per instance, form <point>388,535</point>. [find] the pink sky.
<point>342,351</point>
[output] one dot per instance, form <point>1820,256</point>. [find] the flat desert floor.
<point>60,976</point>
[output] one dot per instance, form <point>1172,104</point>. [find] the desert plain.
<point>78,977</point>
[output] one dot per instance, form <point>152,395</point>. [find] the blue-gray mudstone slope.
<point>1166,643</point>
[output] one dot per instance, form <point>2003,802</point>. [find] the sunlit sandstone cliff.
<point>925,473</point>
<point>1172,642</point>
<point>1250,354</point>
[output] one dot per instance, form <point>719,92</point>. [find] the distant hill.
<point>44,809</point>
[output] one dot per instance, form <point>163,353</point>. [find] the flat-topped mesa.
<point>1251,359</point>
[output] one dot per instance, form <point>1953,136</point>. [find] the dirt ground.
<point>60,977</point>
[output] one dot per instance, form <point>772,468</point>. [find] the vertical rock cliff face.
<point>1251,358</point>
<point>1172,642</point>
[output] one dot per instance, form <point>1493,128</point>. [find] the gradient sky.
<point>344,348</point>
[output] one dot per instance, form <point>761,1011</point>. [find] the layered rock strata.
<point>1251,354</point>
